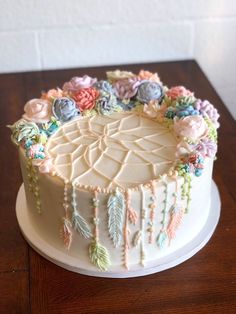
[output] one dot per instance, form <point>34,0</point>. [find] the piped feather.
<point>132,215</point>
<point>176,217</point>
<point>137,238</point>
<point>162,239</point>
<point>80,225</point>
<point>66,233</point>
<point>115,206</point>
<point>99,255</point>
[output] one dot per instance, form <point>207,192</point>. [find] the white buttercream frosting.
<point>121,150</point>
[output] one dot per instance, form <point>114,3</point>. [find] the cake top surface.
<point>106,151</point>
<point>120,132</point>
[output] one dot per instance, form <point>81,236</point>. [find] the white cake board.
<point>61,258</point>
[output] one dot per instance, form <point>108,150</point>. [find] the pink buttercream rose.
<point>178,91</point>
<point>52,93</point>
<point>146,75</point>
<point>86,98</point>
<point>192,127</point>
<point>78,83</point>
<point>38,111</point>
<point>46,166</point>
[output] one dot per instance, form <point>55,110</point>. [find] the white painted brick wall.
<point>53,34</point>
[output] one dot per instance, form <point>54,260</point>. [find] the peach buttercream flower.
<point>86,98</point>
<point>178,91</point>
<point>52,94</point>
<point>117,75</point>
<point>146,75</point>
<point>154,110</point>
<point>37,110</point>
<point>192,127</point>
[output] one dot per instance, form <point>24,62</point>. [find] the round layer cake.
<point>117,173</point>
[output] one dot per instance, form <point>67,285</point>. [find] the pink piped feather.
<point>132,215</point>
<point>66,234</point>
<point>175,221</point>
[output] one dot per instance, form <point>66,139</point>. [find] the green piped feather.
<point>162,239</point>
<point>115,206</point>
<point>99,255</point>
<point>80,225</point>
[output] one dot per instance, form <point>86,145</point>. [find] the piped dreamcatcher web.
<point>120,150</point>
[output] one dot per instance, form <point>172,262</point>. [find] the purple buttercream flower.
<point>64,109</point>
<point>207,148</point>
<point>207,110</point>
<point>77,83</point>
<point>127,88</point>
<point>148,91</point>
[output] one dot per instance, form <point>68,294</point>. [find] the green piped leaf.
<point>162,239</point>
<point>80,225</point>
<point>99,255</point>
<point>115,206</point>
<point>137,238</point>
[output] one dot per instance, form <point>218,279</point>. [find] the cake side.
<point>120,169</point>
<point>144,246</point>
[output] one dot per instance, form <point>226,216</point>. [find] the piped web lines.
<point>110,150</point>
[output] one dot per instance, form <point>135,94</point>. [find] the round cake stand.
<point>62,259</point>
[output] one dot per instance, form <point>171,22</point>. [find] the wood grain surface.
<point>30,284</point>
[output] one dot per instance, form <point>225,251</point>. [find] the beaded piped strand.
<point>66,223</point>
<point>152,207</point>
<point>142,227</point>
<point>33,181</point>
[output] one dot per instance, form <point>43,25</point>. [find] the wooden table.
<point>30,284</point>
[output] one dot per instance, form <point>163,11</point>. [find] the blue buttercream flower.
<point>148,91</point>
<point>106,103</point>
<point>104,86</point>
<point>170,113</point>
<point>64,109</point>
<point>185,110</point>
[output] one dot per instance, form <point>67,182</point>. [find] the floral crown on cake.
<point>193,121</point>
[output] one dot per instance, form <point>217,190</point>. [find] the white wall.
<point>53,34</point>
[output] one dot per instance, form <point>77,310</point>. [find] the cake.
<point>117,172</point>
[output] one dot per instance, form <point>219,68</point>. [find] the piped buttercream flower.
<point>146,75</point>
<point>64,109</point>
<point>148,91</point>
<point>52,94</point>
<point>86,98</point>
<point>207,110</point>
<point>117,75</point>
<point>154,110</point>
<point>23,130</point>
<point>206,147</point>
<point>191,127</point>
<point>78,83</point>
<point>127,88</point>
<point>38,111</point>
<point>35,151</point>
<point>104,86</point>
<point>106,103</point>
<point>178,91</point>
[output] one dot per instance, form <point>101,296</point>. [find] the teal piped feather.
<point>99,255</point>
<point>80,225</point>
<point>115,206</point>
<point>162,239</point>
